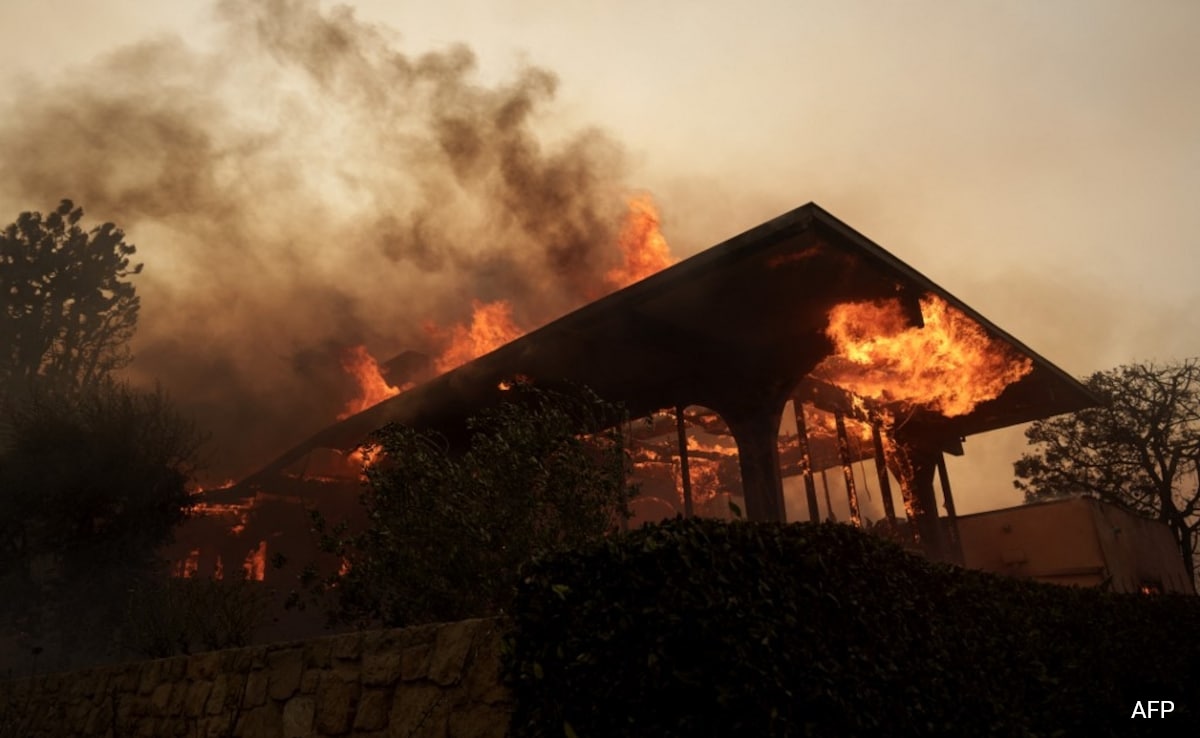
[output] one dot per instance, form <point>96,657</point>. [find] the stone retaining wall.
<point>432,680</point>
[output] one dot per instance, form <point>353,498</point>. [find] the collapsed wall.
<point>429,680</point>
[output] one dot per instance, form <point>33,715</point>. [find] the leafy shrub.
<point>702,627</point>
<point>447,528</point>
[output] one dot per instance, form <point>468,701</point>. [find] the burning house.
<point>769,366</point>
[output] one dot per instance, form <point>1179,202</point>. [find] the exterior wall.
<point>1139,551</point>
<point>1077,541</point>
<point>426,681</point>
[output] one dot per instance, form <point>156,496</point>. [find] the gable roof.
<point>751,307</point>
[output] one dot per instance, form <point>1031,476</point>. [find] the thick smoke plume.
<point>307,186</point>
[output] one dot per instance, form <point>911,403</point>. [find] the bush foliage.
<point>703,627</point>
<point>448,529</point>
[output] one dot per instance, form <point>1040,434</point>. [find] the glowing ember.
<point>696,445</point>
<point>706,481</point>
<point>187,568</point>
<point>365,455</point>
<point>255,564</point>
<point>643,247</point>
<point>948,366</point>
<point>490,328</point>
<point>372,387</point>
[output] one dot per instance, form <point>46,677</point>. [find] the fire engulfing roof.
<point>747,318</point>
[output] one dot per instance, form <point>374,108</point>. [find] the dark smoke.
<point>307,186</point>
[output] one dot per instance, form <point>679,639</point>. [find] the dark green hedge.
<point>695,628</point>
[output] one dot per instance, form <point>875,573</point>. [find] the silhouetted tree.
<point>68,309</point>
<point>448,530</point>
<point>1139,449</point>
<point>91,485</point>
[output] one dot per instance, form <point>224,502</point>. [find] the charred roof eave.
<point>752,305</point>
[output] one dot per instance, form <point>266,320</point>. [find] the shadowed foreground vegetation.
<point>708,628</point>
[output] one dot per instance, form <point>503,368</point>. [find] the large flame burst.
<point>372,387</point>
<point>643,250</point>
<point>948,366</point>
<point>491,327</point>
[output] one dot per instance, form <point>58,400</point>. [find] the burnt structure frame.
<point>735,328</point>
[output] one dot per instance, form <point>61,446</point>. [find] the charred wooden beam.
<point>847,469</point>
<point>810,487</point>
<point>885,484</point>
<point>955,542</point>
<point>684,469</point>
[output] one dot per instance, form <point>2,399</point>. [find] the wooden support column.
<point>955,543</point>
<point>828,502</point>
<point>756,431</point>
<point>847,469</point>
<point>684,469</point>
<point>924,464</point>
<point>885,484</point>
<point>810,487</point>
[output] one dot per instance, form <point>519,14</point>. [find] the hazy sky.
<point>1040,160</point>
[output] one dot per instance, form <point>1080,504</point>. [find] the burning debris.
<point>948,365</point>
<point>643,249</point>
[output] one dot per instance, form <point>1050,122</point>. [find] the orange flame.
<point>186,568</point>
<point>643,247</point>
<point>372,387</point>
<point>948,366</point>
<point>491,327</point>
<point>255,564</point>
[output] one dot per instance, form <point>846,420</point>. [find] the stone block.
<point>261,722</point>
<point>454,643</point>
<point>414,661</point>
<point>160,699</point>
<point>336,702</point>
<point>372,712</point>
<point>298,717</point>
<point>126,678</point>
<point>197,696</point>
<point>310,681</point>
<point>482,680</point>
<point>256,689</point>
<point>175,669</point>
<point>380,668</point>
<point>150,676</point>
<point>479,721</point>
<point>347,647</point>
<point>285,668</point>
<point>318,654</point>
<point>204,665</point>
<point>220,692</point>
<point>418,634</point>
<point>419,711</point>
<point>239,660</point>
<point>150,728</point>
<point>179,693</point>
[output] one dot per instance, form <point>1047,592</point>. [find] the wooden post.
<point>810,487</point>
<point>847,469</point>
<point>885,484</point>
<point>684,468</point>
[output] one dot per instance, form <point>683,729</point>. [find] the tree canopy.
<point>68,308</point>
<point>1140,448</point>
<point>448,529</point>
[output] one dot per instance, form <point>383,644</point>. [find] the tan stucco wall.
<point>1077,541</point>
<point>432,680</point>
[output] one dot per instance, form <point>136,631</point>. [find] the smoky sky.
<point>304,186</point>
